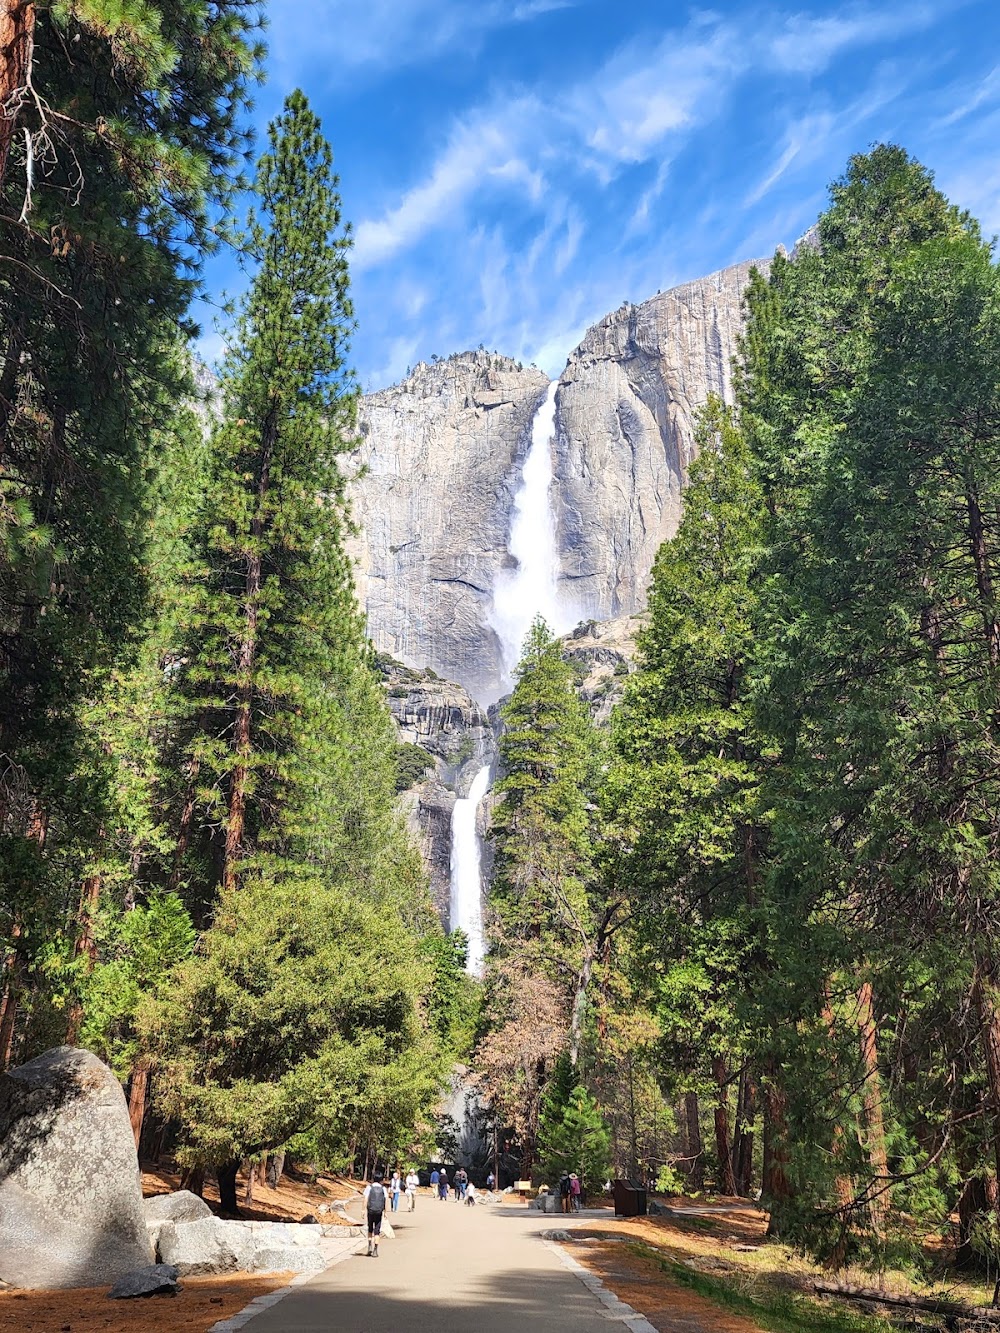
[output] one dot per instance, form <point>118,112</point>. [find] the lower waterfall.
<point>466,875</point>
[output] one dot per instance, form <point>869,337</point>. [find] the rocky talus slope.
<point>439,460</point>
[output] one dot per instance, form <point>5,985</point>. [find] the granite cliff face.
<point>440,459</point>
<point>625,433</point>
<point>440,455</point>
<point>458,738</point>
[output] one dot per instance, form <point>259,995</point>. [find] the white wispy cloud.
<point>350,36</point>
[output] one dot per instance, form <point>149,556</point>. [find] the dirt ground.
<point>203,1301</point>
<point>641,1282</point>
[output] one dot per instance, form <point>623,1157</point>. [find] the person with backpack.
<point>575,1191</point>
<point>374,1201</point>
<point>565,1192</point>
<point>443,1185</point>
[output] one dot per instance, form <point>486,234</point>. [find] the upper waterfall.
<point>532,588</point>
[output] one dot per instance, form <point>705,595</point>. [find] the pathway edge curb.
<point>632,1319</point>
<point>261,1303</point>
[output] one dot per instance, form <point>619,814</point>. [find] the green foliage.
<point>454,996</point>
<point>298,1014</point>
<point>541,829</point>
<point>572,1132</point>
<point>412,761</point>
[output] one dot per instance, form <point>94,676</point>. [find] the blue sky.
<point>514,169</point>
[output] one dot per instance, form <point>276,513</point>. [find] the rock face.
<point>457,736</point>
<point>602,651</point>
<point>70,1203</point>
<point>443,452</point>
<point>625,433</point>
<point>441,455</point>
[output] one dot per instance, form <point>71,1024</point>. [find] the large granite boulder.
<point>70,1202</point>
<point>213,1245</point>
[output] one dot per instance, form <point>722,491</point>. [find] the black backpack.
<point>376,1199</point>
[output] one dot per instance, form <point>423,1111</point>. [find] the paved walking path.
<point>450,1269</point>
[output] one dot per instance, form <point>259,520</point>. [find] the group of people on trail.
<point>465,1191</point>
<point>570,1192</point>
<point>399,1185</point>
<point>380,1193</point>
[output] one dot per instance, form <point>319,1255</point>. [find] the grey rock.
<point>625,433</point>
<point>340,1230</point>
<point>70,1203</point>
<point>153,1280</point>
<point>442,453</point>
<point>203,1248</point>
<point>181,1206</point>
<point>556,1235</point>
<point>459,738</point>
<point>214,1245</point>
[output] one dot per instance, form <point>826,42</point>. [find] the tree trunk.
<point>579,1008</point>
<point>776,1188</point>
<point>985,1000</point>
<point>184,830</point>
<point>85,948</point>
<point>746,1109</point>
<point>843,1186</point>
<point>692,1124</point>
<point>726,1183</point>
<point>979,1195</point>
<point>872,1105</point>
<point>193,1179</point>
<point>17,41</point>
<point>138,1088</point>
<point>275,1166</point>
<point>226,1176</point>
<point>246,658</point>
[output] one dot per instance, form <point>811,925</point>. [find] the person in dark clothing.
<point>564,1192</point>
<point>374,1198</point>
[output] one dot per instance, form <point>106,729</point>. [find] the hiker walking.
<point>443,1185</point>
<point>394,1189</point>
<point>374,1200</point>
<point>412,1181</point>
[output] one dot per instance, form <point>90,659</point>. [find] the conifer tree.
<point>869,402</point>
<point>119,134</point>
<point>302,1014</point>
<point>275,663</point>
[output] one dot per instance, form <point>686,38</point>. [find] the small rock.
<point>309,1219</point>
<point>556,1235</point>
<point>181,1206</point>
<point>153,1280</point>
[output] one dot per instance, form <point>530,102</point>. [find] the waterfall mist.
<point>466,873</point>
<point>532,588</point>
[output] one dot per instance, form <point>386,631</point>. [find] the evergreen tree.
<point>275,665</point>
<point>119,133</point>
<point>869,401</point>
<point>682,801</point>
<point>548,900</point>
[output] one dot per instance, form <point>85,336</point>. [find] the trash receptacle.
<point>630,1199</point>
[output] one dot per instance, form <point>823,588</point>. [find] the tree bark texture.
<point>138,1089</point>
<point>871,1098</point>
<point>226,1176</point>
<point>246,659</point>
<point>17,42</point>
<point>776,1188</point>
<point>726,1184</point>
<point>695,1148</point>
